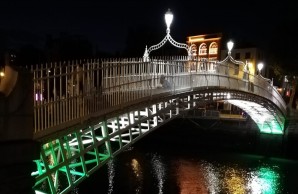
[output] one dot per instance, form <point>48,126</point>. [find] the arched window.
<point>213,48</point>
<point>203,49</point>
<point>193,50</point>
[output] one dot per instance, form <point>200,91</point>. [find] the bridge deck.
<point>68,94</point>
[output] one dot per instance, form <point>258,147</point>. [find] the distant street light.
<point>1,73</point>
<point>168,18</point>
<point>260,67</point>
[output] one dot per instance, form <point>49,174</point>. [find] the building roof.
<point>204,37</point>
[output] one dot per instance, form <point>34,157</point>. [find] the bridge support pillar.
<point>17,147</point>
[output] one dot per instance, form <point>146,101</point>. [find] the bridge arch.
<point>91,144</point>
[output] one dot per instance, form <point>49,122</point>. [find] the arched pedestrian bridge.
<point>87,112</point>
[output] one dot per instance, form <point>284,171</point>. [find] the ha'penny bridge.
<point>100,108</point>
<point>87,112</point>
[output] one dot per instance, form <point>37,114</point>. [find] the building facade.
<point>250,56</point>
<point>205,46</point>
<point>208,46</point>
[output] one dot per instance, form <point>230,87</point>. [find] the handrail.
<point>73,91</point>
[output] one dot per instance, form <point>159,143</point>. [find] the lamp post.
<point>260,67</point>
<point>237,64</point>
<point>168,19</point>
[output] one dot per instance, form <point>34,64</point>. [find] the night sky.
<point>111,26</point>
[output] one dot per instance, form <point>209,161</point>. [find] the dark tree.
<point>29,55</point>
<point>67,47</point>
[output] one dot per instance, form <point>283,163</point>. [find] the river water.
<point>195,160</point>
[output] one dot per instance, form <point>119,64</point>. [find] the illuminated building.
<point>205,46</point>
<point>250,55</point>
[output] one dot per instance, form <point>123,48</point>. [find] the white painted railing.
<point>70,93</point>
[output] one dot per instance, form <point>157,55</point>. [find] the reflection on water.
<point>190,177</point>
<point>162,174</point>
<point>204,177</point>
<point>264,180</point>
<point>211,177</point>
<point>111,175</point>
<point>159,171</point>
<point>233,180</point>
<point>137,170</point>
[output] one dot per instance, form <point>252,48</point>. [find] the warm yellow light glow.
<point>193,39</point>
<point>196,39</point>
<point>137,170</point>
<point>234,181</point>
<point>213,48</point>
<point>1,74</point>
<point>136,167</point>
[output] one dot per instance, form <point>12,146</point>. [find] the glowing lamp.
<point>1,74</point>
<point>169,18</point>
<point>230,45</point>
<point>228,96</point>
<point>260,66</point>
